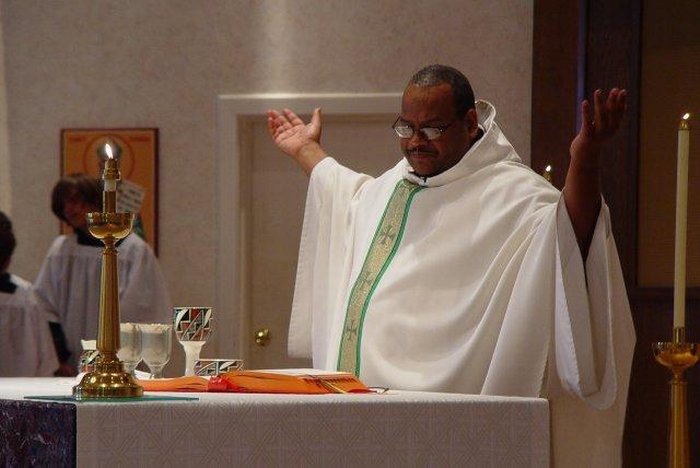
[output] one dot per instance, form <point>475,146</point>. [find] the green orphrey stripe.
<point>384,244</point>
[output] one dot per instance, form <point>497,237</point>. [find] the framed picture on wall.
<point>138,190</point>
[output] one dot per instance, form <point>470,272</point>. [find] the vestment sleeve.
<point>144,296</point>
<point>325,238</point>
<point>47,356</point>
<point>46,286</point>
<point>594,334</point>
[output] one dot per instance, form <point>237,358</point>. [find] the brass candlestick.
<point>677,356</point>
<point>108,379</point>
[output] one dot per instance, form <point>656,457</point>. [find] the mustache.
<point>420,151</point>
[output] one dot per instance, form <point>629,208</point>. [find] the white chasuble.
<point>471,282</point>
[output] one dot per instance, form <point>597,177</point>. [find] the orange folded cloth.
<point>260,382</point>
<point>178,384</point>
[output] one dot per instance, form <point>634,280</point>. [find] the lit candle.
<point>681,223</point>
<point>109,153</point>
<point>110,184</point>
<point>547,173</point>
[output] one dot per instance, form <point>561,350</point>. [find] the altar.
<point>395,428</point>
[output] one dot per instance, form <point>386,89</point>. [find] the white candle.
<point>110,185</point>
<point>681,223</point>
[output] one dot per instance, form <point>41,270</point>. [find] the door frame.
<point>235,114</point>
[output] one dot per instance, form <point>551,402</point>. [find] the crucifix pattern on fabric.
<point>384,244</point>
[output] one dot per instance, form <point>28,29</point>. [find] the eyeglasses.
<point>403,130</point>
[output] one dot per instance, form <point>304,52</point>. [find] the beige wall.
<point>158,63</point>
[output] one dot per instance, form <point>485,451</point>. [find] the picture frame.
<point>138,189</point>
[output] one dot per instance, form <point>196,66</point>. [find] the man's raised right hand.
<point>295,138</point>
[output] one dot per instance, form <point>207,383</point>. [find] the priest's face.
<point>433,107</point>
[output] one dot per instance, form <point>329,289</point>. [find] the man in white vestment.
<point>68,283</point>
<point>26,348</point>
<point>462,270</point>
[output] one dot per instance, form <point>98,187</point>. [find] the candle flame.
<point>108,151</point>
<point>548,168</point>
<point>686,116</point>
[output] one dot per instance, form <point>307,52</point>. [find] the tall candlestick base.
<point>108,380</point>
<point>677,356</point>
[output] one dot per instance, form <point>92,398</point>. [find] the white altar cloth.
<point>396,428</point>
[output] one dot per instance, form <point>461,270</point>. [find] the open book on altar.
<point>298,381</point>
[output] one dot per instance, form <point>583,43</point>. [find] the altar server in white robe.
<point>26,348</point>
<point>68,283</point>
<point>462,270</point>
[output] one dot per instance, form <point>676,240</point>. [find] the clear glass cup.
<point>129,346</point>
<point>192,328</point>
<point>156,346</point>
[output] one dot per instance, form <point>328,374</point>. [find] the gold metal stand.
<point>108,379</point>
<point>678,356</point>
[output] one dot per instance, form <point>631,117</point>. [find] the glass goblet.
<point>129,346</point>
<point>192,329</point>
<point>156,346</point>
